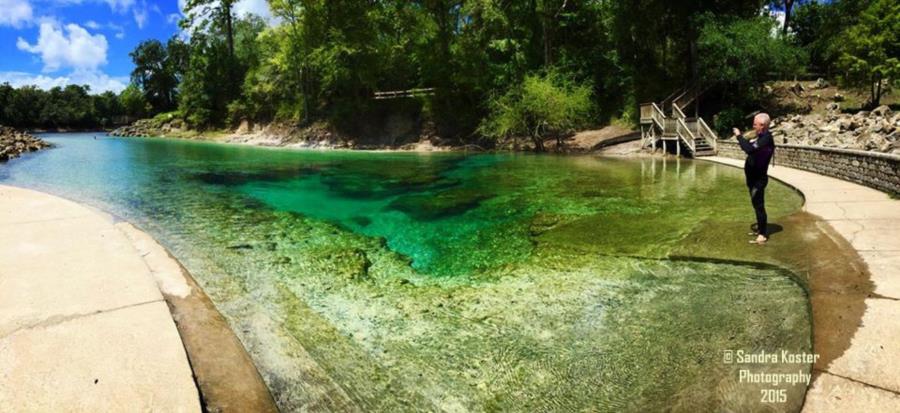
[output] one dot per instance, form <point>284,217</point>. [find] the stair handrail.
<point>646,110</point>
<point>658,116</point>
<point>677,112</point>
<point>685,134</point>
<point>671,98</point>
<point>707,133</point>
<point>690,95</point>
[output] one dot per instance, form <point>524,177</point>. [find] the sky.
<point>51,43</point>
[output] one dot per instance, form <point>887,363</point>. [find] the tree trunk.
<point>538,138</point>
<point>788,5</point>
<point>229,27</point>
<point>546,31</point>
<point>304,92</point>
<point>877,97</point>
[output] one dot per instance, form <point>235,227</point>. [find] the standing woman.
<point>756,170</point>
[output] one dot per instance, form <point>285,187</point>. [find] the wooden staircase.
<point>691,133</point>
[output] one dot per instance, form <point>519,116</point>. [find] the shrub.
<point>540,107</point>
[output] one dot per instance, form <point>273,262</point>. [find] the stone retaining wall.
<point>876,170</point>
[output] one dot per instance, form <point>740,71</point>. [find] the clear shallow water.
<point>387,281</point>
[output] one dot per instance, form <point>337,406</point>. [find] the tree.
<point>788,6</point>
<point>218,13</point>
<point>542,106</point>
<point>107,108</point>
<point>154,74</point>
<point>818,26</point>
<point>870,49</point>
<point>743,53</point>
<point>133,102</point>
<point>25,106</point>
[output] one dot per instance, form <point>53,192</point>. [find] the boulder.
<point>833,107</point>
<point>844,124</point>
<point>882,110</point>
<point>13,143</point>
<point>820,83</point>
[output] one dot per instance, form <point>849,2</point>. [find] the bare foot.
<point>760,240</point>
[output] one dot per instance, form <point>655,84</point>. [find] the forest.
<point>494,67</point>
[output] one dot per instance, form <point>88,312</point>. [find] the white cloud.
<point>120,35</point>
<point>98,81</point>
<point>242,8</point>
<point>74,47</point>
<point>141,15</point>
<point>258,7</point>
<point>120,6</point>
<point>15,12</point>
<point>173,18</point>
<point>92,25</point>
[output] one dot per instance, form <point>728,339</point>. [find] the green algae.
<point>398,282</point>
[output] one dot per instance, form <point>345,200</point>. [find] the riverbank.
<point>321,136</point>
<point>14,143</point>
<point>98,310</point>
<point>854,322</point>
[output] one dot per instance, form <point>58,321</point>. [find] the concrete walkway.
<point>866,376</point>
<point>83,325</point>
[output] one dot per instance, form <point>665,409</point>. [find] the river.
<point>388,281</point>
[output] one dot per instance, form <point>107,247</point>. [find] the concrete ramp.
<point>83,325</point>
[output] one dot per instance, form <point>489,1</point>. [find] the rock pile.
<point>145,128</point>
<point>13,143</point>
<point>877,130</point>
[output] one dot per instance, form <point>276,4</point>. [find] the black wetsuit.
<point>756,167</point>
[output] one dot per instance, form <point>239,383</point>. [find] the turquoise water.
<point>454,282</point>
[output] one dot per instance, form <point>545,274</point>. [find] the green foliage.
<point>156,73</point>
<point>727,119</point>
<point>542,106</point>
<point>817,28</point>
<point>870,49</point>
<point>58,108</point>
<point>134,103</point>
<point>211,87</point>
<point>745,52</point>
<point>324,60</point>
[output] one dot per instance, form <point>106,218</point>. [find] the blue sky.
<point>55,42</point>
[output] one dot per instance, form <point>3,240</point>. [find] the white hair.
<point>763,117</point>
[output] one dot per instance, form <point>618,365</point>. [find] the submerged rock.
<point>542,222</point>
<point>433,206</point>
<point>353,264</point>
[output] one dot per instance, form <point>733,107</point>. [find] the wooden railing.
<point>685,134</point>
<point>409,93</point>
<point>691,93</point>
<point>667,102</point>
<point>677,112</point>
<point>658,116</point>
<point>650,112</point>
<point>707,133</point>
<point>693,133</point>
<point>647,112</point>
